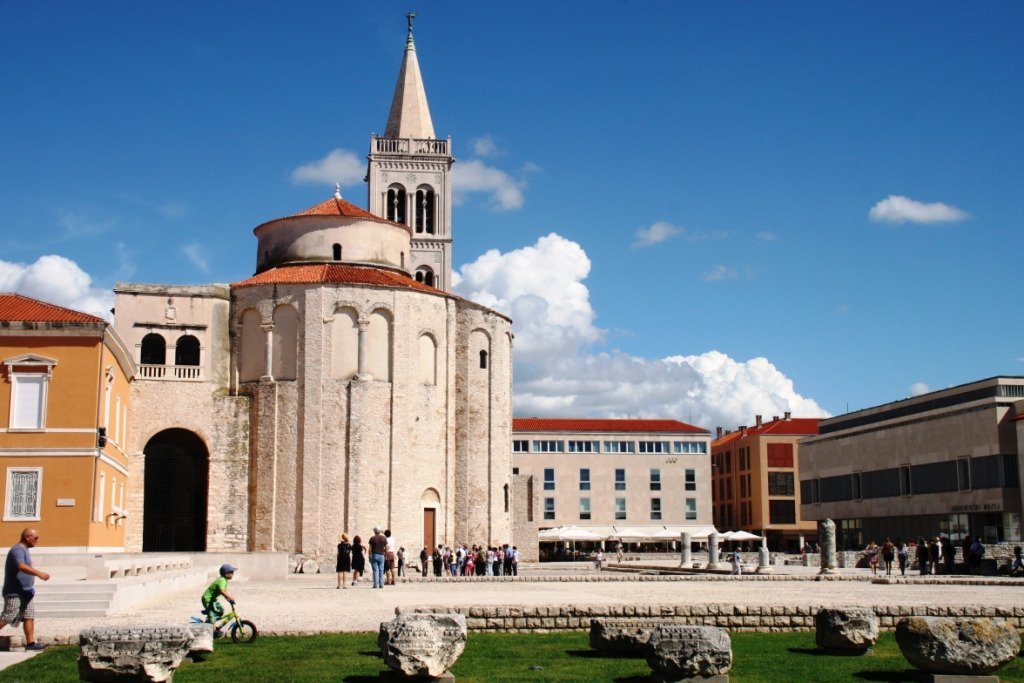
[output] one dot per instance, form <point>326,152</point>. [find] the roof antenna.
<point>337,190</point>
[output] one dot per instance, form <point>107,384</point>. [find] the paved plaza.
<point>307,604</point>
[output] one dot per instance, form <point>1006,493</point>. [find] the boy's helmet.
<point>226,569</point>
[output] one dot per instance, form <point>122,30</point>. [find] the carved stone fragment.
<point>422,644</point>
<point>676,651</point>
<point>966,647</point>
<point>132,653</point>
<point>850,629</point>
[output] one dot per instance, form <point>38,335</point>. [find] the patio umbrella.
<point>630,534</point>
<point>743,536</point>
<point>574,533</point>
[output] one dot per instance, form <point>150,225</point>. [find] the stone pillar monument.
<point>713,551</point>
<point>763,560</point>
<point>827,544</point>
<point>684,546</point>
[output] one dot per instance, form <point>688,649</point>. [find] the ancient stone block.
<point>620,635</point>
<point>850,629</point>
<point>422,644</point>
<point>941,645</point>
<point>202,641</point>
<point>132,653</point>
<point>676,651</point>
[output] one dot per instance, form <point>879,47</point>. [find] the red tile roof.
<point>18,308</point>
<point>337,207</point>
<point>794,426</point>
<point>332,273</point>
<point>576,424</point>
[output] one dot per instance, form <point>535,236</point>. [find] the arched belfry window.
<point>336,252</point>
<point>425,211</point>
<point>483,360</point>
<point>425,275</point>
<point>396,204</point>
<point>186,351</point>
<point>154,350</point>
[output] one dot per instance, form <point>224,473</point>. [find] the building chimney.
<point>743,430</point>
<point>775,418</point>
<point>757,419</point>
<point>786,414</point>
<point>718,432</point>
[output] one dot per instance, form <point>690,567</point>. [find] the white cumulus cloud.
<point>918,388</point>
<point>558,372</point>
<point>520,284</point>
<point>56,280</point>
<point>339,166</point>
<point>485,146</point>
<point>504,191</point>
<point>659,232</point>
<point>899,209</point>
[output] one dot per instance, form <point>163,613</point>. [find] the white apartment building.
<point>610,474</point>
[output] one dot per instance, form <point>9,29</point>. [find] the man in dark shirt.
<point>378,546</point>
<point>19,588</point>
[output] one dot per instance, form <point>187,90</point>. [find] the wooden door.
<point>429,528</point>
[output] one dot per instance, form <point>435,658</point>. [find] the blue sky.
<point>697,179</point>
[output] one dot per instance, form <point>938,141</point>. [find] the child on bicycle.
<point>211,602</point>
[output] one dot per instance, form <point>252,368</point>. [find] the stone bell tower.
<point>409,175</point>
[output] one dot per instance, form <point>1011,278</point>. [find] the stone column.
<point>713,550</point>
<point>684,547</point>
<point>364,333</point>
<point>268,361</point>
<point>763,564</point>
<point>827,543</point>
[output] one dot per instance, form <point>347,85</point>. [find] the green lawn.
<point>499,657</point>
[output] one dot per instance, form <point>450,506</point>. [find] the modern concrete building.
<point>64,423</point>
<point>754,482</point>
<point>339,387</point>
<point>946,462</point>
<point>604,473</point>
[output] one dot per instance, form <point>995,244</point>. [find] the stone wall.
<point>222,422</point>
<point>732,617</point>
<point>525,509</point>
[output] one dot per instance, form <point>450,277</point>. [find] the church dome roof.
<point>331,273</point>
<point>336,206</point>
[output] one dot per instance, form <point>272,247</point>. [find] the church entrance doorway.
<point>176,479</point>
<point>429,528</point>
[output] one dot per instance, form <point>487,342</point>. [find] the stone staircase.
<point>97,598</point>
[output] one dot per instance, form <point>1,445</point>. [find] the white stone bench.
<point>114,567</point>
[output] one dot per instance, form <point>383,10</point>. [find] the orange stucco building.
<point>63,426</point>
<point>755,480</point>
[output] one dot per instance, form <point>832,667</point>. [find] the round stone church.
<point>339,387</point>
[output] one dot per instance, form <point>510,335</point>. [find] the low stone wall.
<point>732,617</point>
<point>635,574</point>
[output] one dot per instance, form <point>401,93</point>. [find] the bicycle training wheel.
<point>243,631</point>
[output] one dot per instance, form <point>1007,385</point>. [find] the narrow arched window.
<point>337,252</point>
<point>425,275</point>
<point>425,211</point>
<point>154,350</point>
<point>483,360</point>
<point>396,205</point>
<point>186,351</point>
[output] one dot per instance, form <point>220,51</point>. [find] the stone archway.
<point>176,481</point>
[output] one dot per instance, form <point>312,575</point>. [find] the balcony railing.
<point>180,373</point>
<point>410,146</point>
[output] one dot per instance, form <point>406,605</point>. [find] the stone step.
<point>71,612</point>
<point>63,598</point>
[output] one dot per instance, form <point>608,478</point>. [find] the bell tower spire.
<point>409,174</point>
<point>410,115</point>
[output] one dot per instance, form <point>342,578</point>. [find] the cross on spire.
<point>411,16</point>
